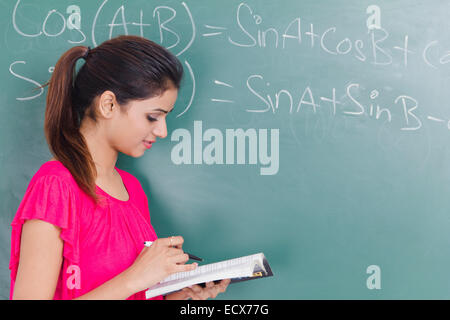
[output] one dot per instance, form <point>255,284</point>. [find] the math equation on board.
<point>177,27</point>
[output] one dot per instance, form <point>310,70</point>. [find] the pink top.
<point>99,242</point>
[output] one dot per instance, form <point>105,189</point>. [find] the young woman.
<point>79,231</point>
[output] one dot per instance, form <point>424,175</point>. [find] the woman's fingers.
<point>203,293</point>
<point>191,294</point>
<point>185,267</point>
<point>175,241</point>
<point>180,258</point>
<point>224,284</point>
<point>174,252</point>
<point>211,290</point>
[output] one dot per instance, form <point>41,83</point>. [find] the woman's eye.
<point>151,119</point>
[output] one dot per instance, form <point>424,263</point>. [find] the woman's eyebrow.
<point>163,110</point>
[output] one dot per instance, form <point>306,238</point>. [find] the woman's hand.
<point>157,262</point>
<point>211,290</point>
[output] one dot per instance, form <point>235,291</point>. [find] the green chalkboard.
<point>315,131</point>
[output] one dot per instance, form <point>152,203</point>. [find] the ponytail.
<point>62,123</point>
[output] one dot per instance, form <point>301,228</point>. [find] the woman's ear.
<point>106,104</point>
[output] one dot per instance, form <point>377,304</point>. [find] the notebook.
<point>239,269</point>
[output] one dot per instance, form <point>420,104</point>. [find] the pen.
<point>191,256</point>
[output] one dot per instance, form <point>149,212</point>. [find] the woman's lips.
<point>148,144</point>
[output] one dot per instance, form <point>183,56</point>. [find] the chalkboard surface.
<point>314,131</point>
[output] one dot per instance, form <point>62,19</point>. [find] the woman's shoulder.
<point>54,168</point>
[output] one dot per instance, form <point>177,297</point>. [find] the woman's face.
<point>144,120</point>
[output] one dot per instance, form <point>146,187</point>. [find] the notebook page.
<point>228,269</point>
<point>213,267</point>
<point>240,270</point>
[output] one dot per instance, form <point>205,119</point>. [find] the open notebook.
<point>240,269</point>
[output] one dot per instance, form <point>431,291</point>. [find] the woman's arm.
<point>117,288</point>
<point>40,261</point>
<point>41,252</point>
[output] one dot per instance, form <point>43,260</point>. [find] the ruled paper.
<point>228,269</point>
<point>214,267</point>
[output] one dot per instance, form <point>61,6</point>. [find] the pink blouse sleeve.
<point>51,199</point>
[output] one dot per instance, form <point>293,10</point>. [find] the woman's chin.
<point>135,153</point>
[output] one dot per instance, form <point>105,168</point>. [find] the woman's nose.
<point>161,129</point>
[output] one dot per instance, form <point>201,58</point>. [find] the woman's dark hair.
<point>132,67</point>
